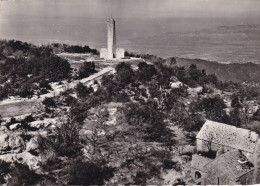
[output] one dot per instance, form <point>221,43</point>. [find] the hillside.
<point>236,72</point>
<point>120,122</point>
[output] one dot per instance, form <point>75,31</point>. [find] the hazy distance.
<point>186,28</point>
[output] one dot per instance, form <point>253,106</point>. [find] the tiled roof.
<point>230,164</point>
<point>198,162</point>
<point>227,135</point>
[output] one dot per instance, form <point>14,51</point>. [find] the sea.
<point>226,40</point>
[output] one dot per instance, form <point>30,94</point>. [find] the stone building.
<point>111,51</point>
<point>236,155</point>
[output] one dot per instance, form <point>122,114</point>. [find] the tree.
<point>3,93</point>
<point>212,107</point>
<point>124,74</point>
<point>86,69</point>
<point>49,102</point>
<point>83,91</point>
<point>45,84</point>
<point>235,102</point>
<point>64,141</point>
<point>234,117</point>
<point>193,122</point>
<point>26,91</point>
<point>82,172</point>
<point>150,121</point>
<point>194,72</point>
<point>256,115</point>
<point>146,71</point>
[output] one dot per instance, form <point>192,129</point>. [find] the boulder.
<point>3,128</point>
<point>8,157</point>
<point>16,144</point>
<point>29,159</point>
<point>42,123</point>
<point>32,145</point>
<point>14,126</point>
<point>4,144</point>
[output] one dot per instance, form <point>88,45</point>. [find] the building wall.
<point>103,53</point>
<point>194,170</point>
<point>247,179</point>
<point>257,163</point>
<point>219,177</point>
<point>215,177</point>
<point>251,177</point>
<point>120,53</point>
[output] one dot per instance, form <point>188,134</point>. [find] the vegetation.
<point>129,130</point>
<point>86,69</point>
<point>236,72</point>
<point>58,48</point>
<point>30,71</point>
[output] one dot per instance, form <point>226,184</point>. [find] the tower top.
<point>110,19</point>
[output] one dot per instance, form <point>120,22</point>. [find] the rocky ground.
<point>17,144</point>
<point>26,119</point>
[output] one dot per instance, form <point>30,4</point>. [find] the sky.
<point>135,8</point>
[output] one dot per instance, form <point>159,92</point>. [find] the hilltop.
<point>122,122</point>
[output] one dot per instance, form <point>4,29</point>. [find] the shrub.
<point>3,93</point>
<point>86,69</point>
<point>49,102</point>
<point>63,142</point>
<point>82,172</point>
<point>36,65</point>
<point>45,84</point>
<point>22,175</point>
<point>5,168</point>
<point>25,91</point>
<point>124,74</point>
<point>83,91</point>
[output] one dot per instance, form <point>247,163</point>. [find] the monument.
<point>111,52</point>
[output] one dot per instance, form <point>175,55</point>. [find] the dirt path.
<point>26,106</point>
<point>17,109</point>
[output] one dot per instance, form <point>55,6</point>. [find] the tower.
<point>111,38</point>
<point>111,52</point>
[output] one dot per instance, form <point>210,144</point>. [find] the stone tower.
<point>111,38</point>
<point>111,52</point>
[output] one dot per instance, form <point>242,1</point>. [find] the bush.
<point>82,172</point>
<point>73,48</point>
<point>124,74</point>
<point>63,142</point>
<point>83,91</point>
<point>49,102</point>
<point>212,107</point>
<point>26,91</point>
<point>5,168</point>
<point>146,71</point>
<point>3,93</point>
<point>22,175</point>
<point>45,84</point>
<point>35,65</point>
<point>86,69</point>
